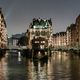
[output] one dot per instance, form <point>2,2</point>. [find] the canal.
<point>60,66</point>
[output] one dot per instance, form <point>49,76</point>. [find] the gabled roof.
<point>40,23</point>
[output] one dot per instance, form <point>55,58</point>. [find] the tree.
<point>23,41</point>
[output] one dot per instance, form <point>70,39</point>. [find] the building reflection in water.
<point>19,56</point>
<point>56,67</point>
<point>36,70</point>
<point>60,66</point>
<point>75,67</point>
<point>3,67</point>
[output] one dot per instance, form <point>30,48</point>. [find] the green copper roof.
<point>40,23</point>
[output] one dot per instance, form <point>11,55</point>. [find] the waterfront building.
<point>3,31</point>
<point>40,34</point>
<point>13,40</point>
<point>71,38</point>
<point>62,39</point>
<point>68,37</point>
<point>78,30</point>
<point>59,40</point>
<point>56,40</point>
<point>71,35</point>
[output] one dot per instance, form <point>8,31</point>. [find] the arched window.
<point>32,32</point>
<point>43,33</point>
<point>37,33</point>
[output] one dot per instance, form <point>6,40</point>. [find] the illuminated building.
<point>3,31</point>
<point>71,35</point>
<point>40,34</point>
<point>59,39</point>
<point>78,30</point>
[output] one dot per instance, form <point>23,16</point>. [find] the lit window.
<point>42,46</point>
<point>36,41</point>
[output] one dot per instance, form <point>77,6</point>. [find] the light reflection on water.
<point>56,68</point>
<point>60,66</point>
<point>3,68</point>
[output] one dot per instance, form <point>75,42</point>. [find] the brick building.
<point>40,31</point>
<point>3,31</point>
<point>59,39</point>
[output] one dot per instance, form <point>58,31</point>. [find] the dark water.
<point>61,66</point>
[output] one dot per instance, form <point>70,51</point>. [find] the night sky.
<point>19,13</point>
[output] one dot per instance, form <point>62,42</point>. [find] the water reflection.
<point>36,70</point>
<point>60,66</point>
<point>3,67</point>
<point>75,68</point>
<point>56,68</point>
<point>16,67</point>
